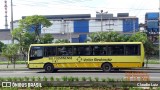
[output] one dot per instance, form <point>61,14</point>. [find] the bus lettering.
<point>102,59</point>
<point>63,57</point>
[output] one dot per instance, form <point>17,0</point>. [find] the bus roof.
<point>88,43</point>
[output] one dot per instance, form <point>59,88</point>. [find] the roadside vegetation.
<point>77,83</point>
<point>73,83</point>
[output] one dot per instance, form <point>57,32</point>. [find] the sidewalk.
<point>18,67</point>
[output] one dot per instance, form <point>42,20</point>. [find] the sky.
<point>21,8</point>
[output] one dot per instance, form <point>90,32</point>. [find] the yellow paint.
<point>89,61</point>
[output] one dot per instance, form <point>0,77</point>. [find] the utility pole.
<point>101,21</point>
<point>159,30</point>
<point>6,21</point>
<point>101,13</point>
<point>12,20</point>
<point>109,25</point>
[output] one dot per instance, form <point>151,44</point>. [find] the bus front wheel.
<point>49,68</point>
<point>106,67</point>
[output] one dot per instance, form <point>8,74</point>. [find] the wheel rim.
<point>106,68</point>
<point>49,68</point>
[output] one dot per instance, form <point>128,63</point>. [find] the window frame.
<point>34,58</point>
<point>51,48</point>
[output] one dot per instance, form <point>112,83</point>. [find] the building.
<point>76,27</point>
<point>5,36</point>
<point>152,26</point>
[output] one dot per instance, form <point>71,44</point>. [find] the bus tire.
<point>106,67</point>
<point>49,68</point>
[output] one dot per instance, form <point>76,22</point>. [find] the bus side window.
<point>132,50</point>
<point>75,51</point>
<point>103,50</point>
<point>49,51</point>
<point>61,51</point>
<point>88,50</point>
<point>80,51</point>
<point>65,51</point>
<point>115,50</point>
<point>69,51</point>
<point>96,50</point>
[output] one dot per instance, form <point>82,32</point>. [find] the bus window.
<point>132,49</point>
<point>75,51</point>
<point>115,50</point>
<point>64,51</point>
<point>99,50</point>
<point>82,50</point>
<point>36,52</point>
<point>96,50</point>
<point>88,50</point>
<point>49,51</point>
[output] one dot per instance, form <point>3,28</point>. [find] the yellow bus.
<point>102,55</point>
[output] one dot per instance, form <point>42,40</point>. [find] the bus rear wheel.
<point>106,67</point>
<point>48,68</point>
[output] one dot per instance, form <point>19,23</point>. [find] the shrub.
<point>15,79</point>
<point>71,79</point>
<point>64,78</point>
<point>76,79</point>
<point>33,78</point>
<point>39,79</point>
<point>21,79</point>
<point>52,78</point>
<point>57,79</point>
<point>45,78</point>
<point>26,78</point>
<point>90,79</point>
<point>103,80</point>
<point>9,79</point>
<point>83,78</point>
<point>97,79</point>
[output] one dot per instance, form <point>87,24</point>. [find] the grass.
<point>17,62</point>
<point>153,62</point>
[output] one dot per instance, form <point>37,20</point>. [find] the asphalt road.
<point>154,75</point>
<point>21,71</point>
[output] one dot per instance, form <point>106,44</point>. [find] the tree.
<point>105,37</point>
<point>10,51</point>
<point>149,50</point>
<point>138,37</point>
<point>46,38</point>
<point>1,45</point>
<point>26,38</point>
<point>35,22</point>
<point>62,41</point>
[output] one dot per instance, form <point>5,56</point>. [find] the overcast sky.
<point>57,7</point>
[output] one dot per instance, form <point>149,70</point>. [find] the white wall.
<point>6,41</point>
<point>9,41</point>
<point>59,27</point>
<point>115,25</point>
<point>15,24</point>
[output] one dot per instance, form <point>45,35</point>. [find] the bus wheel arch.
<point>48,67</point>
<point>106,67</point>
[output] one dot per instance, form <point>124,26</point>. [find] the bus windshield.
<point>36,52</point>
